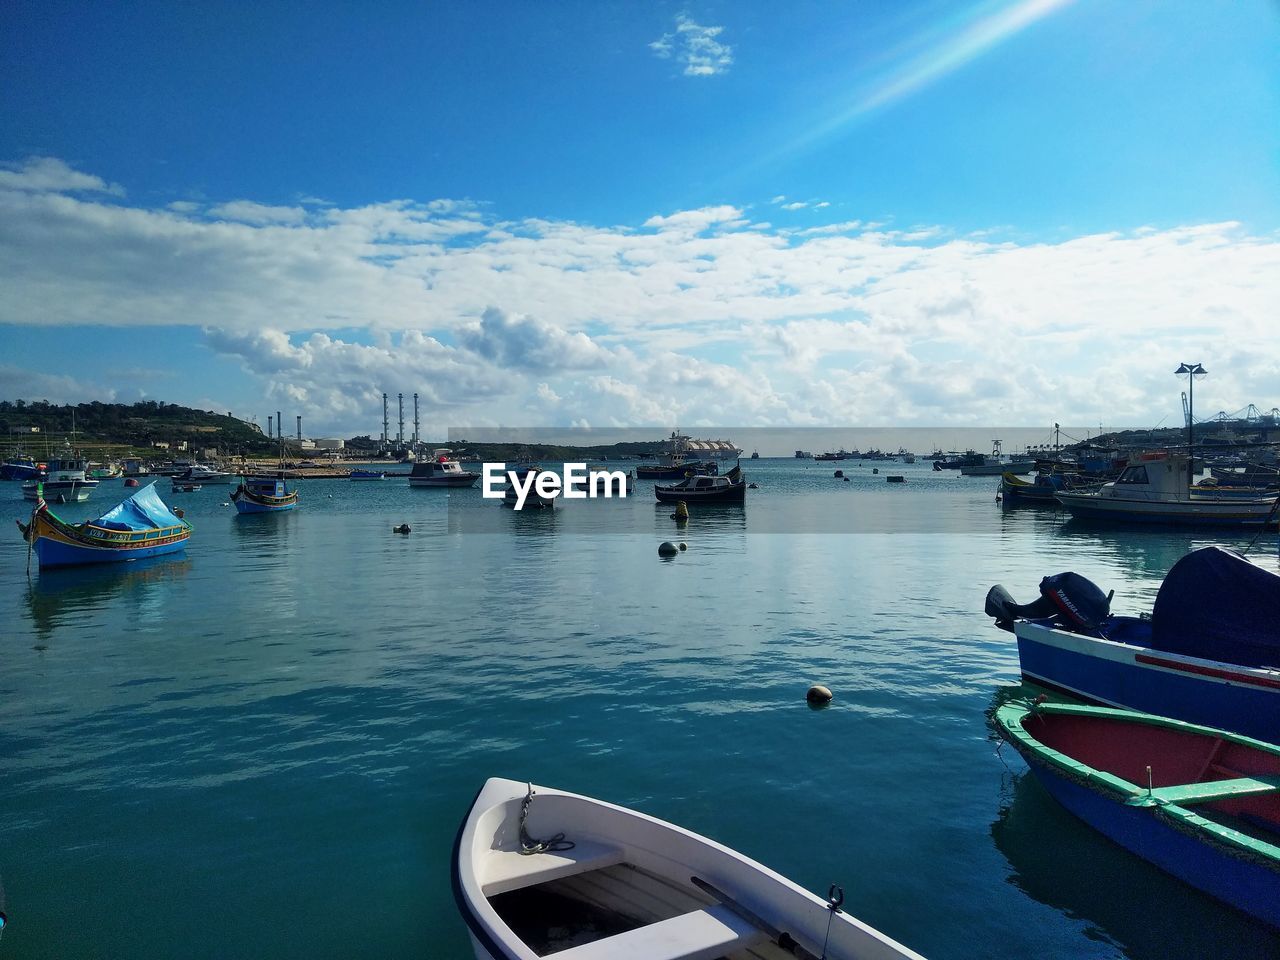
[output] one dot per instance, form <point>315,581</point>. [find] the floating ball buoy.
<point>818,695</point>
<point>875,469</point>
<point>667,549</point>
<point>846,480</point>
<point>683,546</point>
<point>839,473</point>
<point>403,528</point>
<point>131,482</point>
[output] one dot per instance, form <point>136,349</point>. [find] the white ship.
<point>700,450</point>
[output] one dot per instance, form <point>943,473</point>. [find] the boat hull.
<point>459,480</point>
<point>1209,692</point>
<point>61,491</point>
<point>662,473</point>
<point>58,553</point>
<point>1198,511</point>
<point>60,544</point>
<point>1166,831</point>
<point>735,495</point>
<point>246,505</point>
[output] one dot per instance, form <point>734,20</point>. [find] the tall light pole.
<point>1192,370</point>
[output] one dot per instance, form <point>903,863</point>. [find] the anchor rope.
<point>530,846</point>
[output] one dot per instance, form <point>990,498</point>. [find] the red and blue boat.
<point>141,526</point>
<point>1199,803</point>
<point>1209,653</point>
<point>264,495</point>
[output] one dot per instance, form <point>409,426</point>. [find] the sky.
<point>605,215</point>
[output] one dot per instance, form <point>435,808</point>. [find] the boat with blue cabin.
<point>367,475</point>
<point>264,495</point>
<point>1200,803</point>
<point>1209,652</point>
<point>65,481</point>
<point>139,527</point>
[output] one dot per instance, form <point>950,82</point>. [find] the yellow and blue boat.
<point>141,526</point>
<point>264,495</point>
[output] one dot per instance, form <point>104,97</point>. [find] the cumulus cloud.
<point>49,173</point>
<point>689,311</point>
<point>696,47</point>
<point>246,211</point>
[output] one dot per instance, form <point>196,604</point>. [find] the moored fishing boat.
<point>65,482</point>
<point>441,471</point>
<point>201,473</point>
<point>19,467</point>
<point>608,883</point>
<point>1208,653</point>
<point>1200,803</point>
<point>140,526</point>
<point>264,495</point>
<point>730,488</point>
<point>1158,489</point>
<point>367,475</point>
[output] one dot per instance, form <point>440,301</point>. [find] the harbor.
<point>376,694</point>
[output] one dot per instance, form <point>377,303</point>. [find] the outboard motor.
<point>1070,600</point>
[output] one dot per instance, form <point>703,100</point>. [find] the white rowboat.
<point>608,883</point>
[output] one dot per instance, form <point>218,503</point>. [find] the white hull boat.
<point>608,883</point>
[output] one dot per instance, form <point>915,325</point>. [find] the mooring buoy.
<point>403,528</point>
<point>683,546</point>
<point>818,695</point>
<point>667,549</point>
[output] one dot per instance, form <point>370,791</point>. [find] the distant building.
<point>328,443</point>
<point>308,444</point>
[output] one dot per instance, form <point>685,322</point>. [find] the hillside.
<point>138,425</point>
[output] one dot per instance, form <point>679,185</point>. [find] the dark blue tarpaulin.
<point>1217,605</point>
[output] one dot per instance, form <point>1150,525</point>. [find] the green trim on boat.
<point>1165,802</point>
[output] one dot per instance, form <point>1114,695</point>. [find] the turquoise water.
<point>264,749</point>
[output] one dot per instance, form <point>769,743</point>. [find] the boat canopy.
<point>1217,605</point>
<point>143,511</point>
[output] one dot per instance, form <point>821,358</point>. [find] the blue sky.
<point>1011,211</point>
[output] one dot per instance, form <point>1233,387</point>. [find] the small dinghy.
<point>539,872</point>
<point>1199,803</point>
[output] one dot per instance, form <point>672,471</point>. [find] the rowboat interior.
<point>625,886</point>
<point>1230,783</point>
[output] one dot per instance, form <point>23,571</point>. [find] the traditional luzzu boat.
<point>608,883</point>
<point>264,495</point>
<point>1158,489</point>
<point>139,527</point>
<point>1200,803</point>
<point>1208,653</point>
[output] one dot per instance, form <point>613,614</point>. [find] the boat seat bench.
<point>1217,790</point>
<point>698,935</point>
<point>512,870</point>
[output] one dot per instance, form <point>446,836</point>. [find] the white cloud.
<point>691,314</point>
<point>794,205</point>
<point>246,211</point>
<point>696,47</point>
<point>49,173</point>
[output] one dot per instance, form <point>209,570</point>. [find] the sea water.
<point>264,748</point>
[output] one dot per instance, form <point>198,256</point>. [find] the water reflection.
<point>58,596</point>
<point>1123,900</point>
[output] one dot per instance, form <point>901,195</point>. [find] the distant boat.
<point>141,526</point>
<point>1157,490</point>
<point>532,501</point>
<point>441,471</point>
<point>730,488</point>
<point>180,486</point>
<point>108,471</point>
<point>542,873</point>
<point>200,473</point>
<point>755,454</point>
<point>264,495</point>
<point>840,455</point>
<point>367,475</point>
<point>1043,489</point>
<point>1200,803</point>
<point>65,482</point>
<point>1208,652</point>
<point>19,467</point>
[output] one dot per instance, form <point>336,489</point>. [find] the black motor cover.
<point>1071,600</point>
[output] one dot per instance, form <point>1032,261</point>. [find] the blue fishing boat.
<point>141,526</point>
<point>367,475</point>
<point>264,495</point>
<point>1199,803</point>
<point>1208,653</point>
<point>19,467</point>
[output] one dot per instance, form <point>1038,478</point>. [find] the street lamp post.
<point>1192,370</point>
